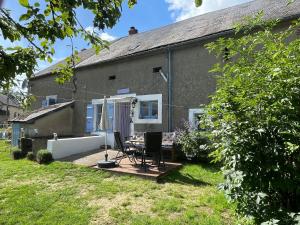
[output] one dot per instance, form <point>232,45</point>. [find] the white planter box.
<point>62,148</point>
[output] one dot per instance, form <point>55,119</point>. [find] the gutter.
<point>170,91</point>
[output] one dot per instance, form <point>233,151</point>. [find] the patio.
<point>91,158</point>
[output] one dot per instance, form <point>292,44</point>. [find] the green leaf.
<point>24,3</point>
<point>49,59</point>
<point>69,31</point>
<point>24,17</point>
<point>198,3</point>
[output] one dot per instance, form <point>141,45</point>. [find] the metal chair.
<point>153,142</point>
<point>126,151</point>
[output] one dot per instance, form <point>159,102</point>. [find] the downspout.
<point>170,92</point>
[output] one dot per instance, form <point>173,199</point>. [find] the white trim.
<point>51,97</point>
<point>140,98</point>
<point>115,98</point>
<point>192,113</point>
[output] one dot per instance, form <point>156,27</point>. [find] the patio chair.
<point>153,148</point>
<point>126,150</point>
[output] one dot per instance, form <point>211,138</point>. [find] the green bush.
<point>194,143</point>
<point>255,117</point>
<point>44,157</point>
<point>30,156</point>
<point>17,154</point>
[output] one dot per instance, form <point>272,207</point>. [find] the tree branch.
<point>21,29</point>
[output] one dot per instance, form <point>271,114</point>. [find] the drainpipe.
<point>170,91</point>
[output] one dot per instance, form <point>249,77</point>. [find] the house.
<point>42,123</point>
<point>153,80</point>
<point>9,108</point>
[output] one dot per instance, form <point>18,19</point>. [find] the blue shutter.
<point>15,133</point>
<point>44,103</point>
<point>110,115</point>
<point>89,118</point>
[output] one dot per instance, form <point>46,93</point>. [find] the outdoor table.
<point>140,146</point>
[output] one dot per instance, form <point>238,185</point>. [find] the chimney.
<point>133,31</point>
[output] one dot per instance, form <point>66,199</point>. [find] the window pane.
<point>52,101</point>
<point>143,110</point>
<point>148,110</point>
<point>154,113</point>
<point>110,114</point>
<point>98,116</point>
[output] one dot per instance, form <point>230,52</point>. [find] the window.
<point>194,117</point>
<point>50,100</point>
<point>148,110</point>
<point>98,114</point>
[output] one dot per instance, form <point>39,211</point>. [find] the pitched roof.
<point>4,99</point>
<point>202,26</point>
<point>83,55</point>
<point>36,114</point>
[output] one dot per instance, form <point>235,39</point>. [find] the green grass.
<point>62,193</point>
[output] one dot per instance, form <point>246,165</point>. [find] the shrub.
<point>194,143</point>
<point>30,156</point>
<point>44,157</point>
<point>17,154</point>
<point>256,124</point>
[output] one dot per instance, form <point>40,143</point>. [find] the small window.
<point>156,69</point>
<point>148,110</point>
<point>194,115</point>
<point>50,100</point>
<point>113,77</point>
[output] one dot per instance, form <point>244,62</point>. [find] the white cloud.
<point>107,37</point>
<point>103,35</point>
<point>184,9</point>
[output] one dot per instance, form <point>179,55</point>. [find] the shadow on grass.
<point>180,178</point>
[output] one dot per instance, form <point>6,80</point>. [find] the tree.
<point>254,115</point>
<point>42,26</point>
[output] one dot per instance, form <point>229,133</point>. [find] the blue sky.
<point>146,15</point>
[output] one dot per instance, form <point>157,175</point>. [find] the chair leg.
<point>161,158</point>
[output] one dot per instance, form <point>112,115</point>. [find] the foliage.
<point>255,119</point>
<point>30,156</point>
<point>17,154</point>
<point>44,156</point>
<point>194,143</point>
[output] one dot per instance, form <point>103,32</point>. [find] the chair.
<point>126,150</point>
<point>153,142</point>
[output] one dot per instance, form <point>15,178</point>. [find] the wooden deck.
<point>126,167</point>
<point>152,171</point>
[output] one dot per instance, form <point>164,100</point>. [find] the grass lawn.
<point>62,193</point>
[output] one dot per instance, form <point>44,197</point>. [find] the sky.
<point>146,15</point>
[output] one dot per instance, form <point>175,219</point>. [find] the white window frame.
<point>113,99</point>
<point>142,98</point>
<point>192,113</point>
<point>51,97</point>
<point>96,102</point>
